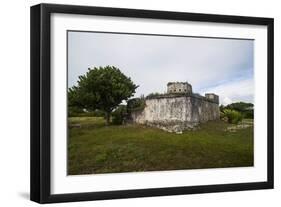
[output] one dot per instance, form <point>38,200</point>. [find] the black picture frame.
<point>41,96</point>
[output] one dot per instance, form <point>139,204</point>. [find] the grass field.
<point>96,148</point>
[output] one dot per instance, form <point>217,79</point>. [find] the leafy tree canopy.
<point>240,106</point>
<point>101,88</point>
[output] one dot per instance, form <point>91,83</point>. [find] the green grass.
<point>96,148</point>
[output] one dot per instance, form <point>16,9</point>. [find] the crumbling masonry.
<point>178,110</point>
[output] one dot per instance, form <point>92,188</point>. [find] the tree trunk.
<point>107,116</point>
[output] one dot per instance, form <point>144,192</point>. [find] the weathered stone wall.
<point>212,97</point>
<point>177,113</point>
<point>179,87</point>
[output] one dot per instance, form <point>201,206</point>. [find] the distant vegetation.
<point>235,112</point>
<point>77,112</point>
<point>231,116</point>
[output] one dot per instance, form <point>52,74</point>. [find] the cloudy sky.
<point>221,66</point>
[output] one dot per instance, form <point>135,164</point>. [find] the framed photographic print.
<point>133,103</point>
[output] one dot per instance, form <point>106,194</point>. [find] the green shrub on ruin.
<point>136,104</point>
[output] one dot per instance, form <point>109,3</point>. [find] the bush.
<point>119,115</point>
<point>246,109</point>
<point>249,114</point>
<point>232,116</point>
<point>153,95</point>
<point>135,104</point>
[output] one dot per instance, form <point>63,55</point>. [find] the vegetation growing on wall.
<point>136,104</point>
<point>153,95</point>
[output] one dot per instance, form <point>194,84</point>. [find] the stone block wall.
<point>179,87</point>
<point>176,113</point>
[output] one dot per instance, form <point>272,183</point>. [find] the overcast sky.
<point>221,66</point>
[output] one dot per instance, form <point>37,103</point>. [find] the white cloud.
<point>234,91</point>
<point>226,101</point>
<point>153,61</point>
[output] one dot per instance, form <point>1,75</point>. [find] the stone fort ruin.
<point>177,110</point>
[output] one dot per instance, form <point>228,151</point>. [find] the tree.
<point>241,106</point>
<point>102,88</point>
